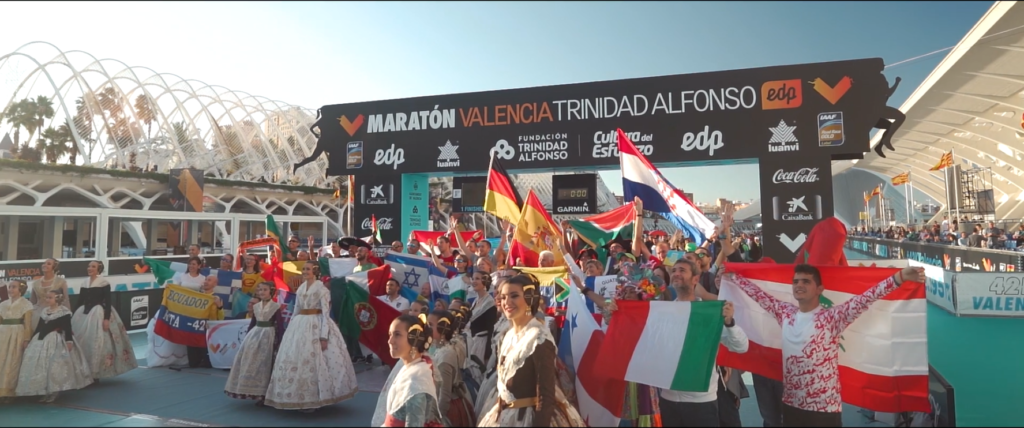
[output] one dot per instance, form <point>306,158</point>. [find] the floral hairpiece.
<point>641,277</point>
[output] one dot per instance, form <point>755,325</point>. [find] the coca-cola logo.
<point>803,175</point>
<point>383,223</point>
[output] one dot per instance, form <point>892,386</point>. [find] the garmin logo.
<point>571,210</point>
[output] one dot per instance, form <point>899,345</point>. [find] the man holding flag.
<point>810,341</point>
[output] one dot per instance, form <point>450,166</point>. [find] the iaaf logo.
<point>704,140</point>
<point>803,175</point>
<point>606,144</point>
<point>383,223</point>
<point>392,156</point>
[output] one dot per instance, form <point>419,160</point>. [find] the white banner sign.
<point>990,294</point>
<point>140,311</point>
<point>939,285</point>
<point>223,339</point>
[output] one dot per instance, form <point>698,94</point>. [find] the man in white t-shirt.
<point>944,227</point>
<point>699,409</point>
<point>393,299</point>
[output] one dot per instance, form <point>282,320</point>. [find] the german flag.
<point>945,161</point>
<point>901,179</point>
<point>502,199</point>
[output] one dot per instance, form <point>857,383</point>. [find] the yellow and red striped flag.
<point>945,161</point>
<point>901,179</point>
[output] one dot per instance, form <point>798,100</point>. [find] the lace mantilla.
<point>516,348</point>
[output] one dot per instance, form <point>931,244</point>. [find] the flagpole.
<point>911,191</point>
<point>956,182</point>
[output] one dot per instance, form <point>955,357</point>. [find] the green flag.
<point>273,232</point>
<point>161,269</point>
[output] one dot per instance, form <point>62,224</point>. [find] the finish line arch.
<point>791,120</point>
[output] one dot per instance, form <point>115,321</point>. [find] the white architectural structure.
<point>121,116</point>
<point>972,104</point>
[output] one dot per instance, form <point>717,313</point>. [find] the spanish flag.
<point>901,179</point>
<point>501,198</point>
<point>945,161</point>
<point>535,232</point>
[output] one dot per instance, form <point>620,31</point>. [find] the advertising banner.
<point>378,197</point>
<point>939,286</point>
<point>223,339</point>
<point>987,294</point>
<point>574,194</point>
<point>415,203</point>
<point>953,258</point>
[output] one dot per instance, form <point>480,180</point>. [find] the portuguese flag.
<point>501,199</point>
<point>598,230</point>
<point>273,232</point>
<point>361,315</point>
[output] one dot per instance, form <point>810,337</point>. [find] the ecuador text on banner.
<point>184,315</point>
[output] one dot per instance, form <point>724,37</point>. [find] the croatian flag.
<point>414,273</point>
<point>641,179</point>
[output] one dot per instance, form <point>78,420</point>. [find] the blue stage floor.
<point>161,397</point>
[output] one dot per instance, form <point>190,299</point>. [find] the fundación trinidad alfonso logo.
<point>351,126</point>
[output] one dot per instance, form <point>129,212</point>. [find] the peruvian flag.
<point>883,355</point>
<point>600,397</point>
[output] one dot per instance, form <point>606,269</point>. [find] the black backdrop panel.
<point>825,109</point>
<point>379,196</point>
<point>806,115</point>
<point>574,194</point>
<point>468,194</point>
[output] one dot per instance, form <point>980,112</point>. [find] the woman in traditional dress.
<point>254,362</point>
<point>411,389</point>
<point>191,278</point>
<point>528,393</point>
<point>41,286</point>
<point>313,369</point>
<point>53,361</point>
<point>452,395</point>
<point>99,329</point>
<point>487,393</point>
<point>481,325</point>
<point>16,316</point>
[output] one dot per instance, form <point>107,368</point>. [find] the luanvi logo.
<point>783,138</point>
<point>449,157</point>
<point>781,94</point>
<point>792,244</point>
<point>351,127</point>
<point>832,93</point>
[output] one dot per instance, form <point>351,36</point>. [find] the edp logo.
<point>392,156</point>
<point>704,140</point>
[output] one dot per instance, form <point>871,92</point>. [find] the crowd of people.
<point>981,235</point>
<point>489,358</point>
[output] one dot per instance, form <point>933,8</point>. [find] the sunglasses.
<point>460,260</point>
<point>701,255</point>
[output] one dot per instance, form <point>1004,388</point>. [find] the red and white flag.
<point>883,356</point>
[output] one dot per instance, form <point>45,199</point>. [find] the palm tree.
<point>42,109</point>
<point>83,124</point>
<point>144,112</point>
<point>20,115</point>
<point>49,144</point>
<point>67,139</point>
<point>29,154</point>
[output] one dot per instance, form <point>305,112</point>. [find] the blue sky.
<point>311,54</point>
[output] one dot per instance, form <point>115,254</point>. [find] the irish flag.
<point>883,355</point>
<point>598,230</point>
<point>669,345</point>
